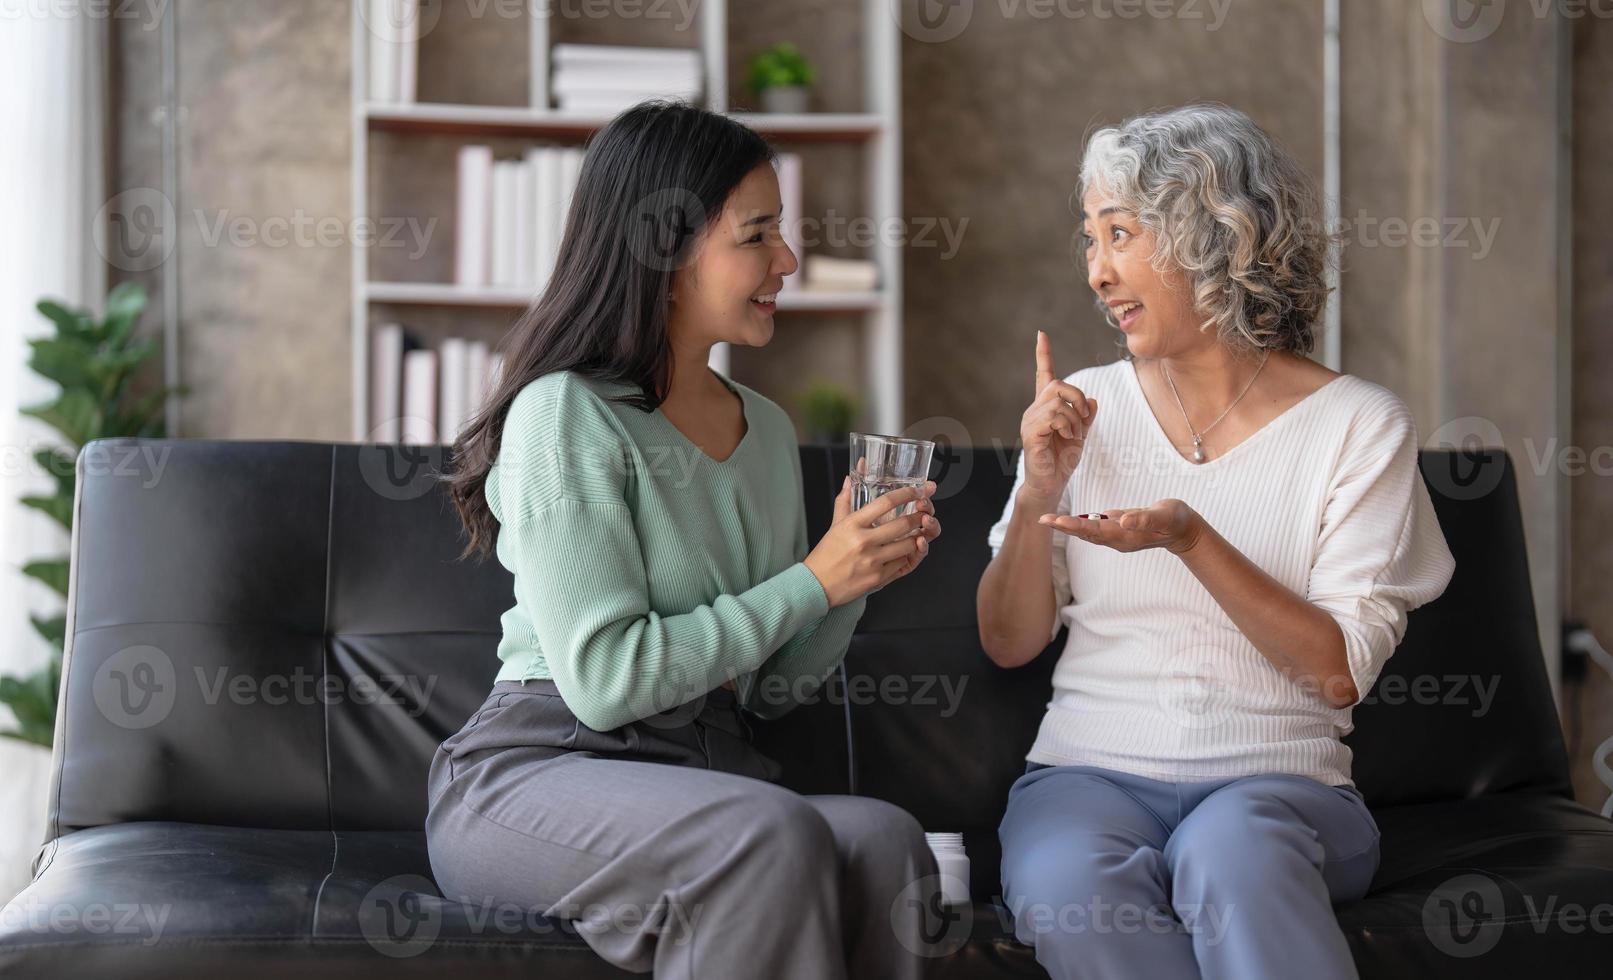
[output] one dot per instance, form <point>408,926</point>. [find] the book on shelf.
<point>394,48</point>
<point>607,78</point>
<point>790,197</point>
<point>417,422</point>
<point>506,182</point>
<point>421,396</point>
<point>825,273</point>
<point>387,344</point>
<point>477,366</point>
<point>543,176</point>
<point>512,215</point>
<point>473,219</point>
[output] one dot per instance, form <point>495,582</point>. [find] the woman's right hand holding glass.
<point>866,549</point>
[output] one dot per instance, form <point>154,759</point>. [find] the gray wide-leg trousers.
<point>669,845</point>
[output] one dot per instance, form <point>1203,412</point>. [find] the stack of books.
<point>420,396</point>
<point>512,214</point>
<point>394,31</point>
<point>605,78</point>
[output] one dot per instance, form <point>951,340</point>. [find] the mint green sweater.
<point>646,572</point>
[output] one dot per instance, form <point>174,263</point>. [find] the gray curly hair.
<point>1229,206</point>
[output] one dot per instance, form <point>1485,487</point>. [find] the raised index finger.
<point>1044,362</point>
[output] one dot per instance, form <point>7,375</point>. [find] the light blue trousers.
<point>1109,874</point>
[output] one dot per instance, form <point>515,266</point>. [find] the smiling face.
<point>1154,311</point>
<point>727,292</point>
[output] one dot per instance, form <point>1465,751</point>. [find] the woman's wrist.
<point>1192,541</point>
<point>1030,504</point>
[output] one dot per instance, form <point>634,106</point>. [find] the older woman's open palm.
<point>1053,429</point>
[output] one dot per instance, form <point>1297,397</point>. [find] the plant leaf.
<point>74,324</point>
<point>58,465</point>
<point>53,629</point>
<point>33,701</point>
<point>124,304</point>
<point>70,363</point>
<point>58,509</point>
<point>51,571</point>
<point>75,414</point>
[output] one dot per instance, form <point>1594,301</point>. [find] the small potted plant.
<point>828,411</point>
<point>782,77</point>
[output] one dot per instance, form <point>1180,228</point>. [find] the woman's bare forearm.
<point>1299,637</point>
<point>1015,603</point>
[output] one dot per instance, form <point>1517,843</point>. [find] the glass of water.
<point>880,464</point>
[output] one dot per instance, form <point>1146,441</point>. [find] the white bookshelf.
<point>876,131</point>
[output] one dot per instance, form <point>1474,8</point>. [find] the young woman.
<point>651,512</point>
<point>1234,548</point>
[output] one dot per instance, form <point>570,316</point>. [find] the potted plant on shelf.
<point>828,411</point>
<point>782,77</point>
<point>92,360</point>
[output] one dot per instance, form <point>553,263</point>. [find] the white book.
<point>601,79</point>
<point>473,223</point>
<point>790,198</point>
<point>495,370</point>
<point>522,213</point>
<point>386,381</point>
<point>570,168</point>
<point>610,55</point>
<point>824,272</point>
<point>545,161</point>
<point>506,178</point>
<point>384,32</point>
<point>476,355</point>
<point>610,104</point>
<point>408,12</point>
<point>452,358</point>
<point>419,421</point>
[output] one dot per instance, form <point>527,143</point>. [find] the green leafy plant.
<point>780,66</point>
<point>92,360</point>
<point>829,411</point>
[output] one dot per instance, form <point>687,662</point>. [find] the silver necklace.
<point>1198,437</point>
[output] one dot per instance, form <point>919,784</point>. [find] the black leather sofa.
<point>267,641</point>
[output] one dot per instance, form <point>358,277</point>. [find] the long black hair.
<point>650,182</point>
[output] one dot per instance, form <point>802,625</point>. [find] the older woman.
<point>1234,547</point>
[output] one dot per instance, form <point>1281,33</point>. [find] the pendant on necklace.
<point>1198,450</point>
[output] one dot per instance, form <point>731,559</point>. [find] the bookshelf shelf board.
<point>448,294</point>
<point>480,120</point>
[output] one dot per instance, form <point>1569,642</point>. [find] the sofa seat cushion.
<point>172,900</point>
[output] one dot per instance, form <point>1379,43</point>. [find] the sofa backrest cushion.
<point>278,634</point>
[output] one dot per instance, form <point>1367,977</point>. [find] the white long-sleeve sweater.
<point>1155,679</point>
